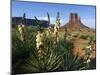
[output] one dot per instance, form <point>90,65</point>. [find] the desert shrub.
<point>76,35</point>
<point>88,37</point>
<point>84,37</point>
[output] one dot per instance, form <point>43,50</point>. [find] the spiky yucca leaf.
<point>51,62</point>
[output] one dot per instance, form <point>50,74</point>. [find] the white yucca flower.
<point>88,61</point>
<point>39,44</point>
<point>39,39</point>
<point>57,25</point>
<point>56,28</point>
<point>21,31</point>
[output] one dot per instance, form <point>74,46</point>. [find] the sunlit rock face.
<point>74,22</point>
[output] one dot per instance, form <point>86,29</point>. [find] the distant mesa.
<point>28,22</point>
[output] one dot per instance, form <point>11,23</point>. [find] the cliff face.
<point>74,22</point>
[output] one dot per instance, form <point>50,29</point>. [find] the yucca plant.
<point>51,62</point>
<point>57,58</point>
<point>21,50</point>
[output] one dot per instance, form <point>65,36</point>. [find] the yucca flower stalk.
<point>40,43</point>
<point>21,31</point>
<point>40,39</point>
<point>56,28</point>
<point>48,31</point>
<point>57,24</point>
<point>48,18</point>
<point>89,49</point>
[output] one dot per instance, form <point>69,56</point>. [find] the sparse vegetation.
<point>42,50</point>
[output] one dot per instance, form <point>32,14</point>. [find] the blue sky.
<point>86,13</point>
